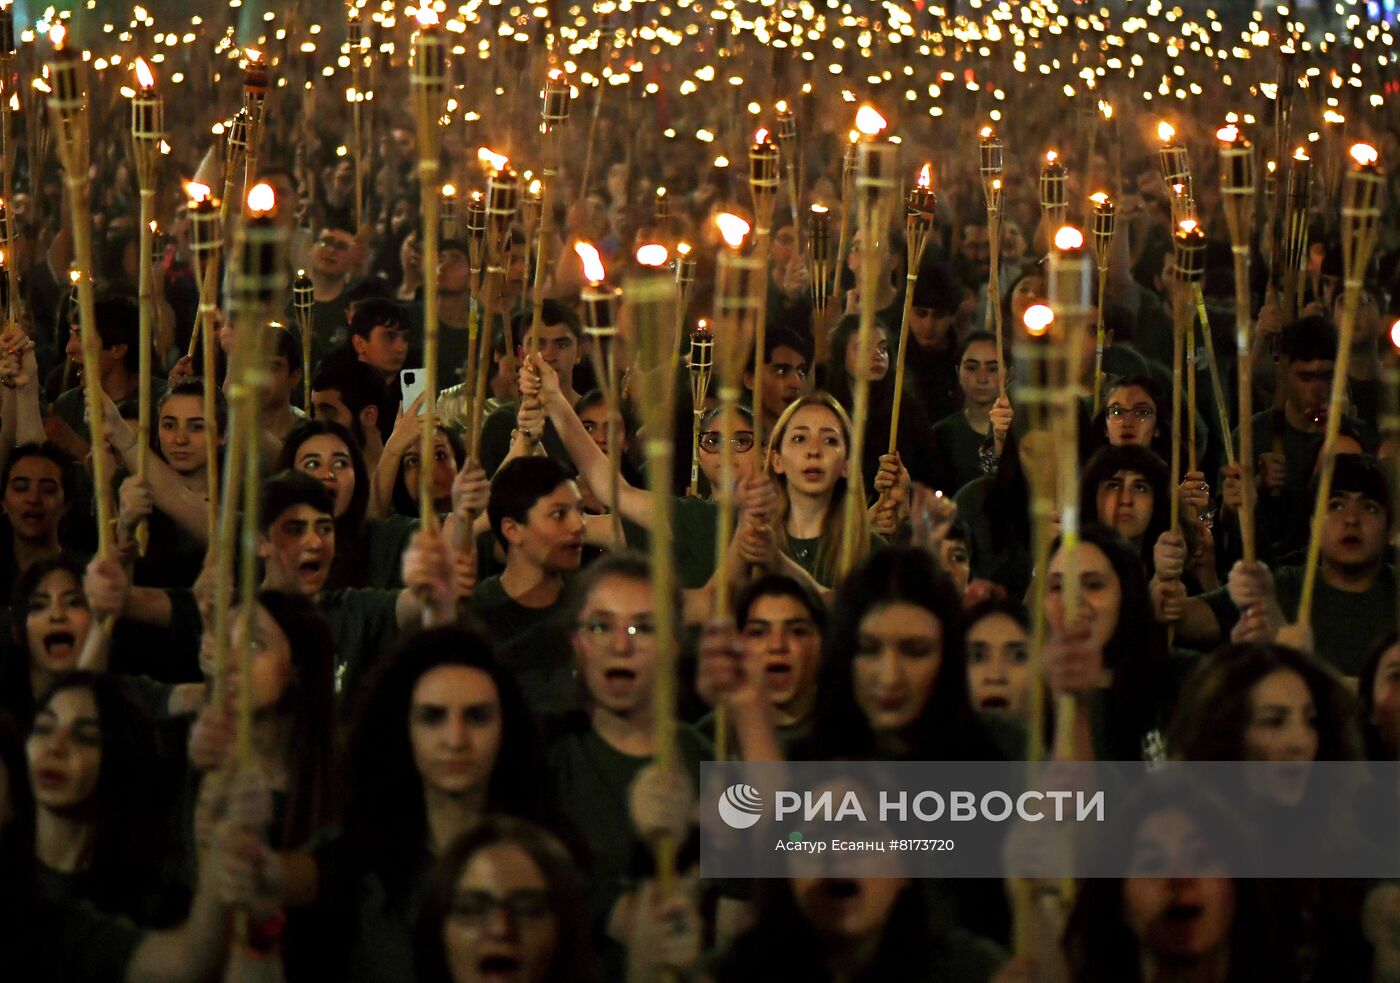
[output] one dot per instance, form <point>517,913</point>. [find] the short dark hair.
<point>552,312</point>
<point>358,384</point>
<point>375,312</point>
<point>778,336</point>
<point>62,460</point>
<point>195,387</point>
<point>288,488</point>
<point>517,486</point>
<point>1363,475</point>
<point>366,288</point>
<point>779,585</point>
<point>118,319</point>
<point>627,564</point>
<point>288,346</point>
<point>1309,339</point>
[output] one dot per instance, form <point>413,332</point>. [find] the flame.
<point>760,137</point>
<point>497,162</point>
<point>427,16</point>
<point>58,36</point>
<point>1301,155</point>
<point>1178,189</point>
<point>41,86</point>
<point>144,75</point>
<point>782,106</point>
<point>702,326</point>
<point>653,254</point>
<point>820,209</point>
<point>1271,166</point>
<point>1051,157</point>
<point>1395,334</point>
<point>925,176</point>
<point>449,190</point>
<point>253,55</point>
<point>1228,134</point>
<point>592,262</point>
<point>536,187</point>
<point>661,191</point>
<point>987,133</point>
<point>869,121</point>
<point>1099,198</point>
<point>683,248</point>
<point>1165,131</point>
<point>261,199</point>
<point>1107,109</point>
<point>1037,319</point>
<point>1069,238</point>
<point>853,136</point>
<point>556,74</point>
<point>732,228</point>
<point>1187,225</point>
<point>72,276</point>
<point>195,191</point>
<point>1364,154</point>
<point>14,102</point>
<point>1332,116</point>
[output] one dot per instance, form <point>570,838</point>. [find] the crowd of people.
<point>449,768</point>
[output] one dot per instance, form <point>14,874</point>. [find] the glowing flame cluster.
<point>593,268</point>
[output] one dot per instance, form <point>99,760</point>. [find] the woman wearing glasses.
<point>598,756</point>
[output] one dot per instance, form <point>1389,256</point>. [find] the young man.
<point>379,338</point>
<point>1354,601</point>
<point>118,367</point>
<point>454,311</point>
<point>931,362</point>
<point>785,367</point>
<point>283,385</point>
<point>296,542</point>
<point>536,515</point>
<point>780,622</point>
<point>1284,439</point>
<point>961,435</point>
<point>349,393</point>
<point>333,257</point>
<point>560,347</point>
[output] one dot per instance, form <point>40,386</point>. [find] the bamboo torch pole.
<point>259,276</point>
<point>1104,217</point>
<point>554,114</point>
<point>207,242</point>
<point>919,207</point>
<point>429,77</point>
<point>255,82</point>
<point>1361,213</point>
<point>235,150</point>
<point>147,128</point>
<point>1295,231</point>
<point>875,183</point>
<point>700,366</point>
<point>68,115</point>
<point>601,327</point>
<point>848,177</point>
<point>1237,197</point>
<point>9,103</point>
<point>792,162</point>
<point>649,296</point>
<point>1188,245</point>
<point>355,37</point>
<point>304,304</point>
<point>990,167</point>
<point>819,260</point>
<point>502,197</point>
<point>1054,193</point>
<point>737,281</point>
<point>763,186</point>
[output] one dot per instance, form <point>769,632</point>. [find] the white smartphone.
<point>411,382</point>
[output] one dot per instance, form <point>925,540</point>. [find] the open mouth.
<point>59,642</point>
<point>813,474</point>
<point>499,966</point>
<point>993,703</point>
<point>1180,914</point>
<point>842,890</point>
<point>778,672</point>
<point>309,567</point>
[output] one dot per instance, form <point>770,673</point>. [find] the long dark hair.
<point>384,812</point>
<point>126,808</point>
<point>1100,945</point>
<point>1141,694</point>
<point>1376,747</point>
<point>572,962</point>
<point>16,691</point>
<point>948,729</point>
<point>348,567</point>
<point>402,501</point>
<point>309,701</point>
<point>1211,722</point>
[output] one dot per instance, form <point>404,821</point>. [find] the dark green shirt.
<point>1346,625</point>
<point>385,541</point>
<point>363,625</point>
<point>74,943</point>
<point>960,448</point>
<point>533,642</point>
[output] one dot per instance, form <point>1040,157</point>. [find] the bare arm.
<point>171,496</point>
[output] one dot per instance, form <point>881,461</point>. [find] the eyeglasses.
<point>741,439</point>
<point>1117,411</point>
<point>330,242</point>
<point>478,906</point>
<point>597,629</point>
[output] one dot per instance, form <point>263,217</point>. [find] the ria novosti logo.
<point>740,806</point>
